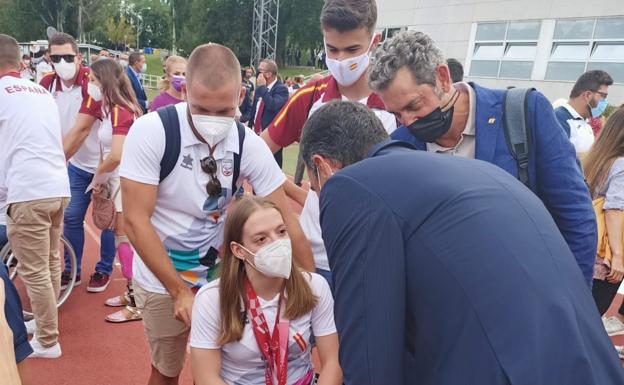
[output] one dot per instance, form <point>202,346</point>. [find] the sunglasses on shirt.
<point>57,58</point>
<point>209,166</point>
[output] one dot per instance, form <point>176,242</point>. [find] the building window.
<point>587,44</point>
<point>505,50</point>
<point>389,32</point>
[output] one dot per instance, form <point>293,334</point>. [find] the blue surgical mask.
<point>600,108</point>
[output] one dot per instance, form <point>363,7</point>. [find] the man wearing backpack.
<point>180,170</point>
<point>464,119</point>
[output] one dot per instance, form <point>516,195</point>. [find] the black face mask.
<point>431,127</point>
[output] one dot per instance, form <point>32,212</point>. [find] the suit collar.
<point>388,145</point>
<point>270,86</point>
<point>130,71</point>
<point>489,121</point>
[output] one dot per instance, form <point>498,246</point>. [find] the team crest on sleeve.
<point>227,167</point>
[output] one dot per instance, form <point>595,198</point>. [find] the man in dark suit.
<point>271,95</point>
<point>446,270</point>
<point>136,67</point>
<point>463,119</point>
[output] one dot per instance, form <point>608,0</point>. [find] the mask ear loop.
<point>451,102</point>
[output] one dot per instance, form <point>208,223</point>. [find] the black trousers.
<point>604,293</point>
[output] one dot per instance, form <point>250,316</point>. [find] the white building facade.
<point>546,44</point>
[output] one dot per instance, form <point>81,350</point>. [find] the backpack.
<point>173,141</point>
<point>516,124</point>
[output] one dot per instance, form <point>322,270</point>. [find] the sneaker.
<point>66,278</point>
<point>41,352</point>
<point>614,326</point>
<point>31,326</point>
<point>620,351</point>
<point>98,282</point>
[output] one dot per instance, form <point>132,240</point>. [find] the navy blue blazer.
<point>274,100</point>
<point>138,89</point>
<point>553,172</point>
<point>448,271</point>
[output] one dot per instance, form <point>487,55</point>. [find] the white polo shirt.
<point>310,215</point>
<point>241,361</point>
<point>42,69</point>
<point>581,133</point>
<point>31,150</point>
<point>71,101</point>
<point>187,220</point>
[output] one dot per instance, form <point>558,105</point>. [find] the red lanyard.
<point>271,346</point>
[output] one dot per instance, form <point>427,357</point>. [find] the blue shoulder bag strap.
<point>518,130</point>
<point>237,157</point>
<point>173,140</point>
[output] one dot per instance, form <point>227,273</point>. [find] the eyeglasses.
<point>603,94</point>
<point>69,58</point>
<point>209,166</point>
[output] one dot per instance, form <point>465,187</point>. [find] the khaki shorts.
<point>167,336</point>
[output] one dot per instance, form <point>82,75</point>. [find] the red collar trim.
<point>12,74</point>
<point>332,92</point>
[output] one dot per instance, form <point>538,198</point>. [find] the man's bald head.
<point>213,66</point>
<point>9,54</point>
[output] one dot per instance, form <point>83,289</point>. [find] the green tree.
<point>299,27</point>
<point>154,19</point>
<point>120,31</point>
<point>224,22</point>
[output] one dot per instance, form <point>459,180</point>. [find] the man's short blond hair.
<point>212,65</point>
<point>9,52</point>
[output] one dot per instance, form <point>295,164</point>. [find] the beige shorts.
<point>167,336</point>
<point>114,186</point>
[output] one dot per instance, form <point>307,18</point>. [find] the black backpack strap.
<point>516,124</point>
<point>173,140</point>
<point>237,157</point>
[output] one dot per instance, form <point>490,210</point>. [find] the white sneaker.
<point>41,352</point>
<point>31,326</point>
<point>614,326</point>
<point>620,351</point>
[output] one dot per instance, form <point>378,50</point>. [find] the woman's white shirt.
<point>242,362</point>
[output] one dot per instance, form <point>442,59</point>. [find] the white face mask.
<point>212,128</point>
<point>144,68</point>
<point>124,63</point>
<point>274,260</point>
<point>348,71</point>
<point>94,91</point>
<point>65,70</point>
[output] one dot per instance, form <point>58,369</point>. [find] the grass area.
<point>290,159</point>
<point>151,94</point>
<point>294,71</point>
<point>154,65</point>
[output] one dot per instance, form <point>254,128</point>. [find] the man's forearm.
<point>78,134</point>
<point>300,244</point>
<point>151,250</point>
<point>73,140</point>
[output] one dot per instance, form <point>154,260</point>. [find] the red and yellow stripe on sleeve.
<point>293,100</point>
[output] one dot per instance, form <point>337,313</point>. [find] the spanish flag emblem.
<point>300,341</point>
<point>353,66</point>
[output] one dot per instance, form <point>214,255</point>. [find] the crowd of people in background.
<point>448,231</point>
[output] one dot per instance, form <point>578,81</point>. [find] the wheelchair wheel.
<point>11,261</point>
